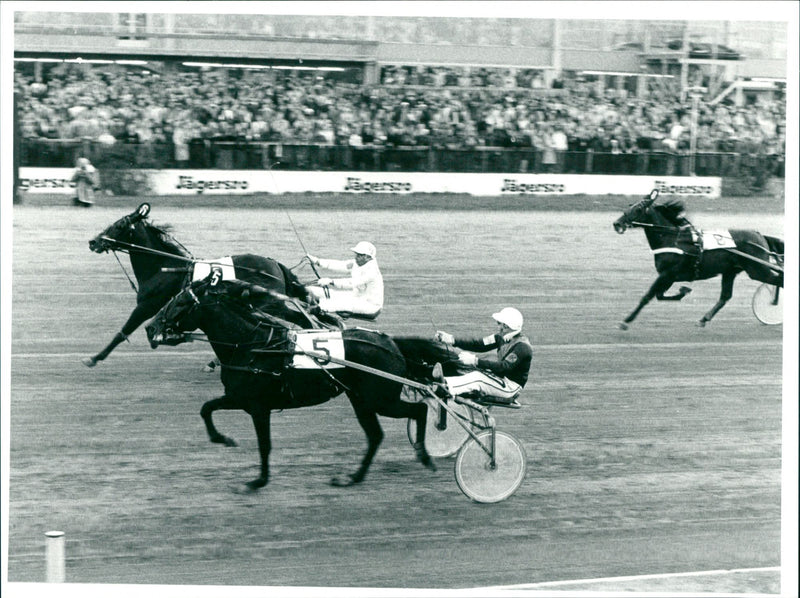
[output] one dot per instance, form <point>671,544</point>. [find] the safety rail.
<point>260,155</point>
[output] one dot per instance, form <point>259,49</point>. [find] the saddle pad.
<point>717,239</point>
<point>329,342</point>
<point>202,268</point>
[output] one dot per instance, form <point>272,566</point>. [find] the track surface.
<point>650,451</point>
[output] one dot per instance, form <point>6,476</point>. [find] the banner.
<point>239,182</point>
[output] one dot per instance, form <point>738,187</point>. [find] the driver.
<point>501,378</point>
<point>361,294</point>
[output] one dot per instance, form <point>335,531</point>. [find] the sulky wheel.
<point>442,442</point>
<point>483,482</point>
<point>768,304</point>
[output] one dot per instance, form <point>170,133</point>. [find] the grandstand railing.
<point>228,155</point>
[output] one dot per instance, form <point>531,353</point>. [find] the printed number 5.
<point>216,276</point>
<point>317,344</point>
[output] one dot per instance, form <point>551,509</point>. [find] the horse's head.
<point>170,324</point>
<point>242,309</point>
<point>121,231</point>
<point>636,213</point>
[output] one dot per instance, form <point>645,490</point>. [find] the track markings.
<point>566,582</point>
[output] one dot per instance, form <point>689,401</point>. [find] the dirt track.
<point>654,450</point>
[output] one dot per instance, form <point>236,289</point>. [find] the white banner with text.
<point>238,182</point>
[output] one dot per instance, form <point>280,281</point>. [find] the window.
<point>132,25</point>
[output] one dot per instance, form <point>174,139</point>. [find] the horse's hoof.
<point>345,481</point>
<point>89,362</point>
<point>623,326</point>
<point>427,461</point>
<point>424,458</point>
<point>255,485</point>
<point>702,323</point>
<point>226,440</point>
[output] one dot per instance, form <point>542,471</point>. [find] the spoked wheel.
<point>442,439</point>
<point>483,482</point>
<point>768,304</point>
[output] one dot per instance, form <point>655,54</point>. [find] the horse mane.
<point>163,235</point>
<point>672,209</point>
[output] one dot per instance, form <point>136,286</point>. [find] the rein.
<point>128,247</point>
<point>653,226</point>
<point>133,285</point>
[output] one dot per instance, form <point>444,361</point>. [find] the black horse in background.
<point>162,267</point>
<point>679,258</point>
<point>252,337</point>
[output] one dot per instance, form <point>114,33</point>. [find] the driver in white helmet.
<point>361,294</point>
<point>500,378</point>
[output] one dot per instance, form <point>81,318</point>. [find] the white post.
<point>55,557</point>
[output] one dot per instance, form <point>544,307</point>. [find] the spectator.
<point>447,106</point>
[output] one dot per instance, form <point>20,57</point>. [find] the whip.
<point>294,228</point>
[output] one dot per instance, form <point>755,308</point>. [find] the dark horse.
<point>162,267</point>
<point>253,341</point>
<point>677,258</point>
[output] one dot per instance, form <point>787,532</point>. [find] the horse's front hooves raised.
<point>89,362</point>
<point>685,290</point>
<point>345,481</point>
<point>623,326</point>
<point>701,323</point>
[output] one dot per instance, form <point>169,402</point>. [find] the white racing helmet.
<point>364,248</point>
<point>510,317</point>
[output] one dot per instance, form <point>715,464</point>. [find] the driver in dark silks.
<point>501,379</point>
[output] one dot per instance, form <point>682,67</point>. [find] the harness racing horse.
<point>667,231</point>
<point>255,349</point>
<point>162,267</point>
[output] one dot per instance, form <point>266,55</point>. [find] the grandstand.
<point>402,93</point>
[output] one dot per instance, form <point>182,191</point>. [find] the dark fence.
<point>227,155</point>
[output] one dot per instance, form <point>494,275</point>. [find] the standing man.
<point>502,377</point>
<point>361,294</point>
<point>87,181</point>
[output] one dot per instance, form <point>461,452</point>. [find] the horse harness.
<point>688,242</point>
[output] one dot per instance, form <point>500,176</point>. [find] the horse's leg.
<point>682,292</point>
<point>419,414</point>
<point>92,361</point>
<point>659,287</point>
<point>261,421</point>
<point>724,296</point>
<point>372,427</point>
<point>141,312</point>
<point>209,407</point>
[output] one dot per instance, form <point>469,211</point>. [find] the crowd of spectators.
<point>489,108</point>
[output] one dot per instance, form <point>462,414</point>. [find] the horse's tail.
<point>421,354</point>
<point>764,250</point>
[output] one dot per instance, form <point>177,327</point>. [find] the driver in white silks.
<point>361,294</point>
<point>501,378</point>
